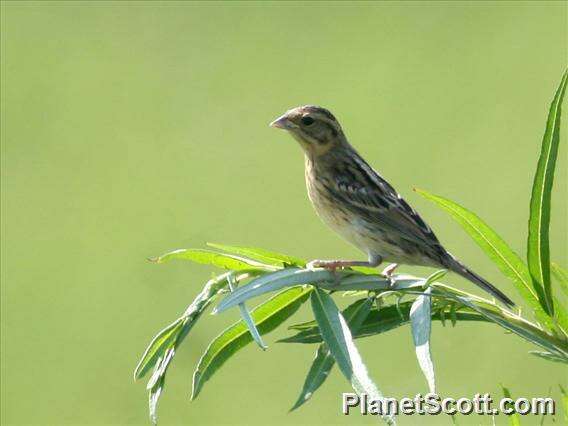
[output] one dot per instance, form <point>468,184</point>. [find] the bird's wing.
<point>368,195</point>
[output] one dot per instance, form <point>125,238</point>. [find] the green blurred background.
<point>130,129</point>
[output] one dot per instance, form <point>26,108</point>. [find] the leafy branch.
<point>383,303</point>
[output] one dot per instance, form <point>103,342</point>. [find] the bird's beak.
<point>283,123</point>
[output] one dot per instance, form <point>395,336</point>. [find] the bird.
<point>361,206</point>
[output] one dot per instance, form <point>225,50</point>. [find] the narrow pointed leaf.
<point>252,327</point>
<point>201,302</point>
<point>267,316</point>
<point>263,256</point>
<point>508,262</point>
<point>351,311</point>
<point>514,324</point>
<point>337,336</point>
<point>354,314</point>
<point>435,277</point>
<point>153,397</point>
<point>549,356</point>
<point>271,282</point>
<point>538,250</point>
<point>157,347</point>
<point>340,280</point>
<point>156,383</point>
<point>443,318</point>
<point>453,315</point>
<point>318,372</point>
<point>245,314</point>
<point>377,322</point>
<point>388,318</point>
<point>421,324</point>
<point>209,257</point>
<point>161,350</point>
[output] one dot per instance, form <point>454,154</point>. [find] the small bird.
<point>361,206</point>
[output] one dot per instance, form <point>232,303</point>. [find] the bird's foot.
<point>330,265</point>
<point>388,272</point>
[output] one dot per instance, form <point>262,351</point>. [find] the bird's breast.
<point>367,235</point>
<point>334,214</point>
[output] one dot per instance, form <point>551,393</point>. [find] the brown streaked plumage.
<point>357,203</point>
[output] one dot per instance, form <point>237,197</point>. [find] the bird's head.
<point>315,128</point>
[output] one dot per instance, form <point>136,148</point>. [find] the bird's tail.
<point>460,269</point>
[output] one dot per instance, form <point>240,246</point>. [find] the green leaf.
<point>377,322</point>
<point>512,323</point>
<point>161,350</point>
<point>354,314</point>
<point>508,262</point>
<point>538,250</point>
<point>393,316</point>
<point>337,336</point>
<point>157,347</point>
<point>245,314</point>
<point>453,315</point>
<point>343,280</point>
<point>561,276</point>
<point>208,257</point>
<point>264,256</point>
<point>302,325</point>
<point>209,293</point>
<point>267,316</point>
<point>153,397</point>
<point>271,282</point>
<point>348,312</point>
<point>550,356</point>
<point>514,419</point>
<point>156,383</point>
<point>154,394</point>
<point>421,325</point>
<point>436,276</point>
<point>318,372</point>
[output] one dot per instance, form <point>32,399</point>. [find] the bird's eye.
<point>307,121</point>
